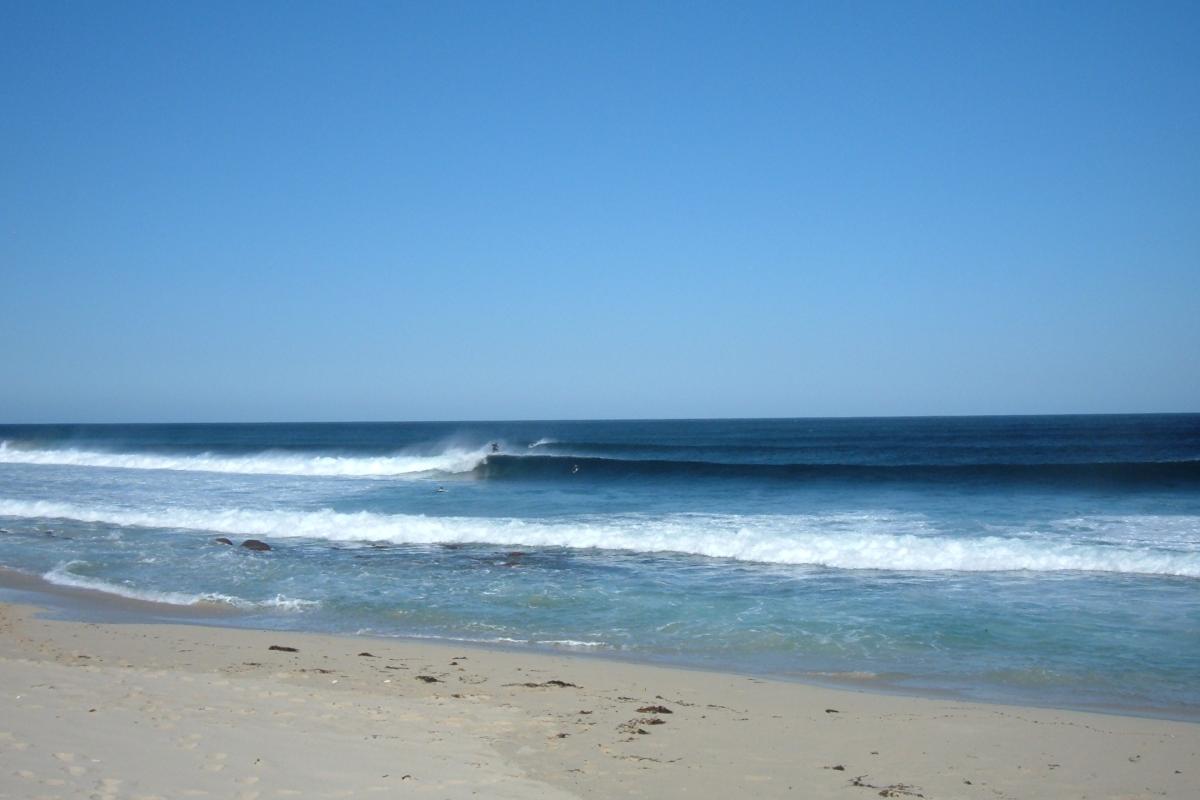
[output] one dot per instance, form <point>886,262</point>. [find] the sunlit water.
<point>1039,559</point>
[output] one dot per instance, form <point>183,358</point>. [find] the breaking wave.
<point>853,541</point>
<point>544,459</point>
<point>62,575</point>
<point>269,463</point>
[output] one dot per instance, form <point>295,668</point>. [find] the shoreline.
<point>81,604</point>
<point>114,710</point>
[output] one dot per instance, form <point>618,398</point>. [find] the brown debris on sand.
<point>283,648</point>
<point>655,710</point>
<point>633,726</point>
<point>551,683</point>
<point>891,790</point>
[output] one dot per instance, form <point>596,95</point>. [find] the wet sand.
<point>114,710</point>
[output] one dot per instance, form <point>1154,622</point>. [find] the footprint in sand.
<point>106,789</point>
<point>10,742</point>
<point>216,762</point>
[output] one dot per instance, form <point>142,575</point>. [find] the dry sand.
<point>175,711</point>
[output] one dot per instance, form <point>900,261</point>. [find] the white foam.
<point>843,541</point>
<point>284,603</point>
<point>1180,531</point>
<point>61,576</point>
<point>454,459</point>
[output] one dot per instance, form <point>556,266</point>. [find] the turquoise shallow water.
<point>1049,560</point>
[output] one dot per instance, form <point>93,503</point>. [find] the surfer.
<point>441,489</point>
<point>495,447</point>
<point>574,469</point>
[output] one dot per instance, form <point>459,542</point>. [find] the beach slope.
<point>139,711</point>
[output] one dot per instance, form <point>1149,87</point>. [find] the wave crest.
<point>1093,473</point>
<point>858,541</point>
<point>62,575</point>
<point>452,460</point>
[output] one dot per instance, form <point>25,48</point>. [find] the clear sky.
<point>289,211</point>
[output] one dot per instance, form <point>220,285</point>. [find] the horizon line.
<point>482,420</point>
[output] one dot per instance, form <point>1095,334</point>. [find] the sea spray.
<point>454,460</point>
<point>1040,559</point>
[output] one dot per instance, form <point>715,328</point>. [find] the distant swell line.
<point>577,467</point>
<point>502,466</point>
<point>268,463</point>
<point>842,541</point>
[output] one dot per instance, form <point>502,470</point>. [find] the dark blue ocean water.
<point>1038,559</point>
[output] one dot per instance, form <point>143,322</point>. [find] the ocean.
<point>1044,560</point>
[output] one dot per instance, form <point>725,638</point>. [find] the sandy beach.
<point>600,400</point>
<point>103,710</point>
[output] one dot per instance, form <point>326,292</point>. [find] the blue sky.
<point>287,211</point>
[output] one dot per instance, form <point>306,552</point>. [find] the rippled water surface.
<point>1039,559</point>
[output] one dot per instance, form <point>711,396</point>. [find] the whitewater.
<point>452,460</point>
<point>867,541</point>
<point>1041,559</point>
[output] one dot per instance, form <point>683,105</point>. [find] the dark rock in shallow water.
<point>255,544</point>
<point>512,559</point>
<point>222,540</point>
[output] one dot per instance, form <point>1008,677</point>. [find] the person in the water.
<point>495,447</point>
